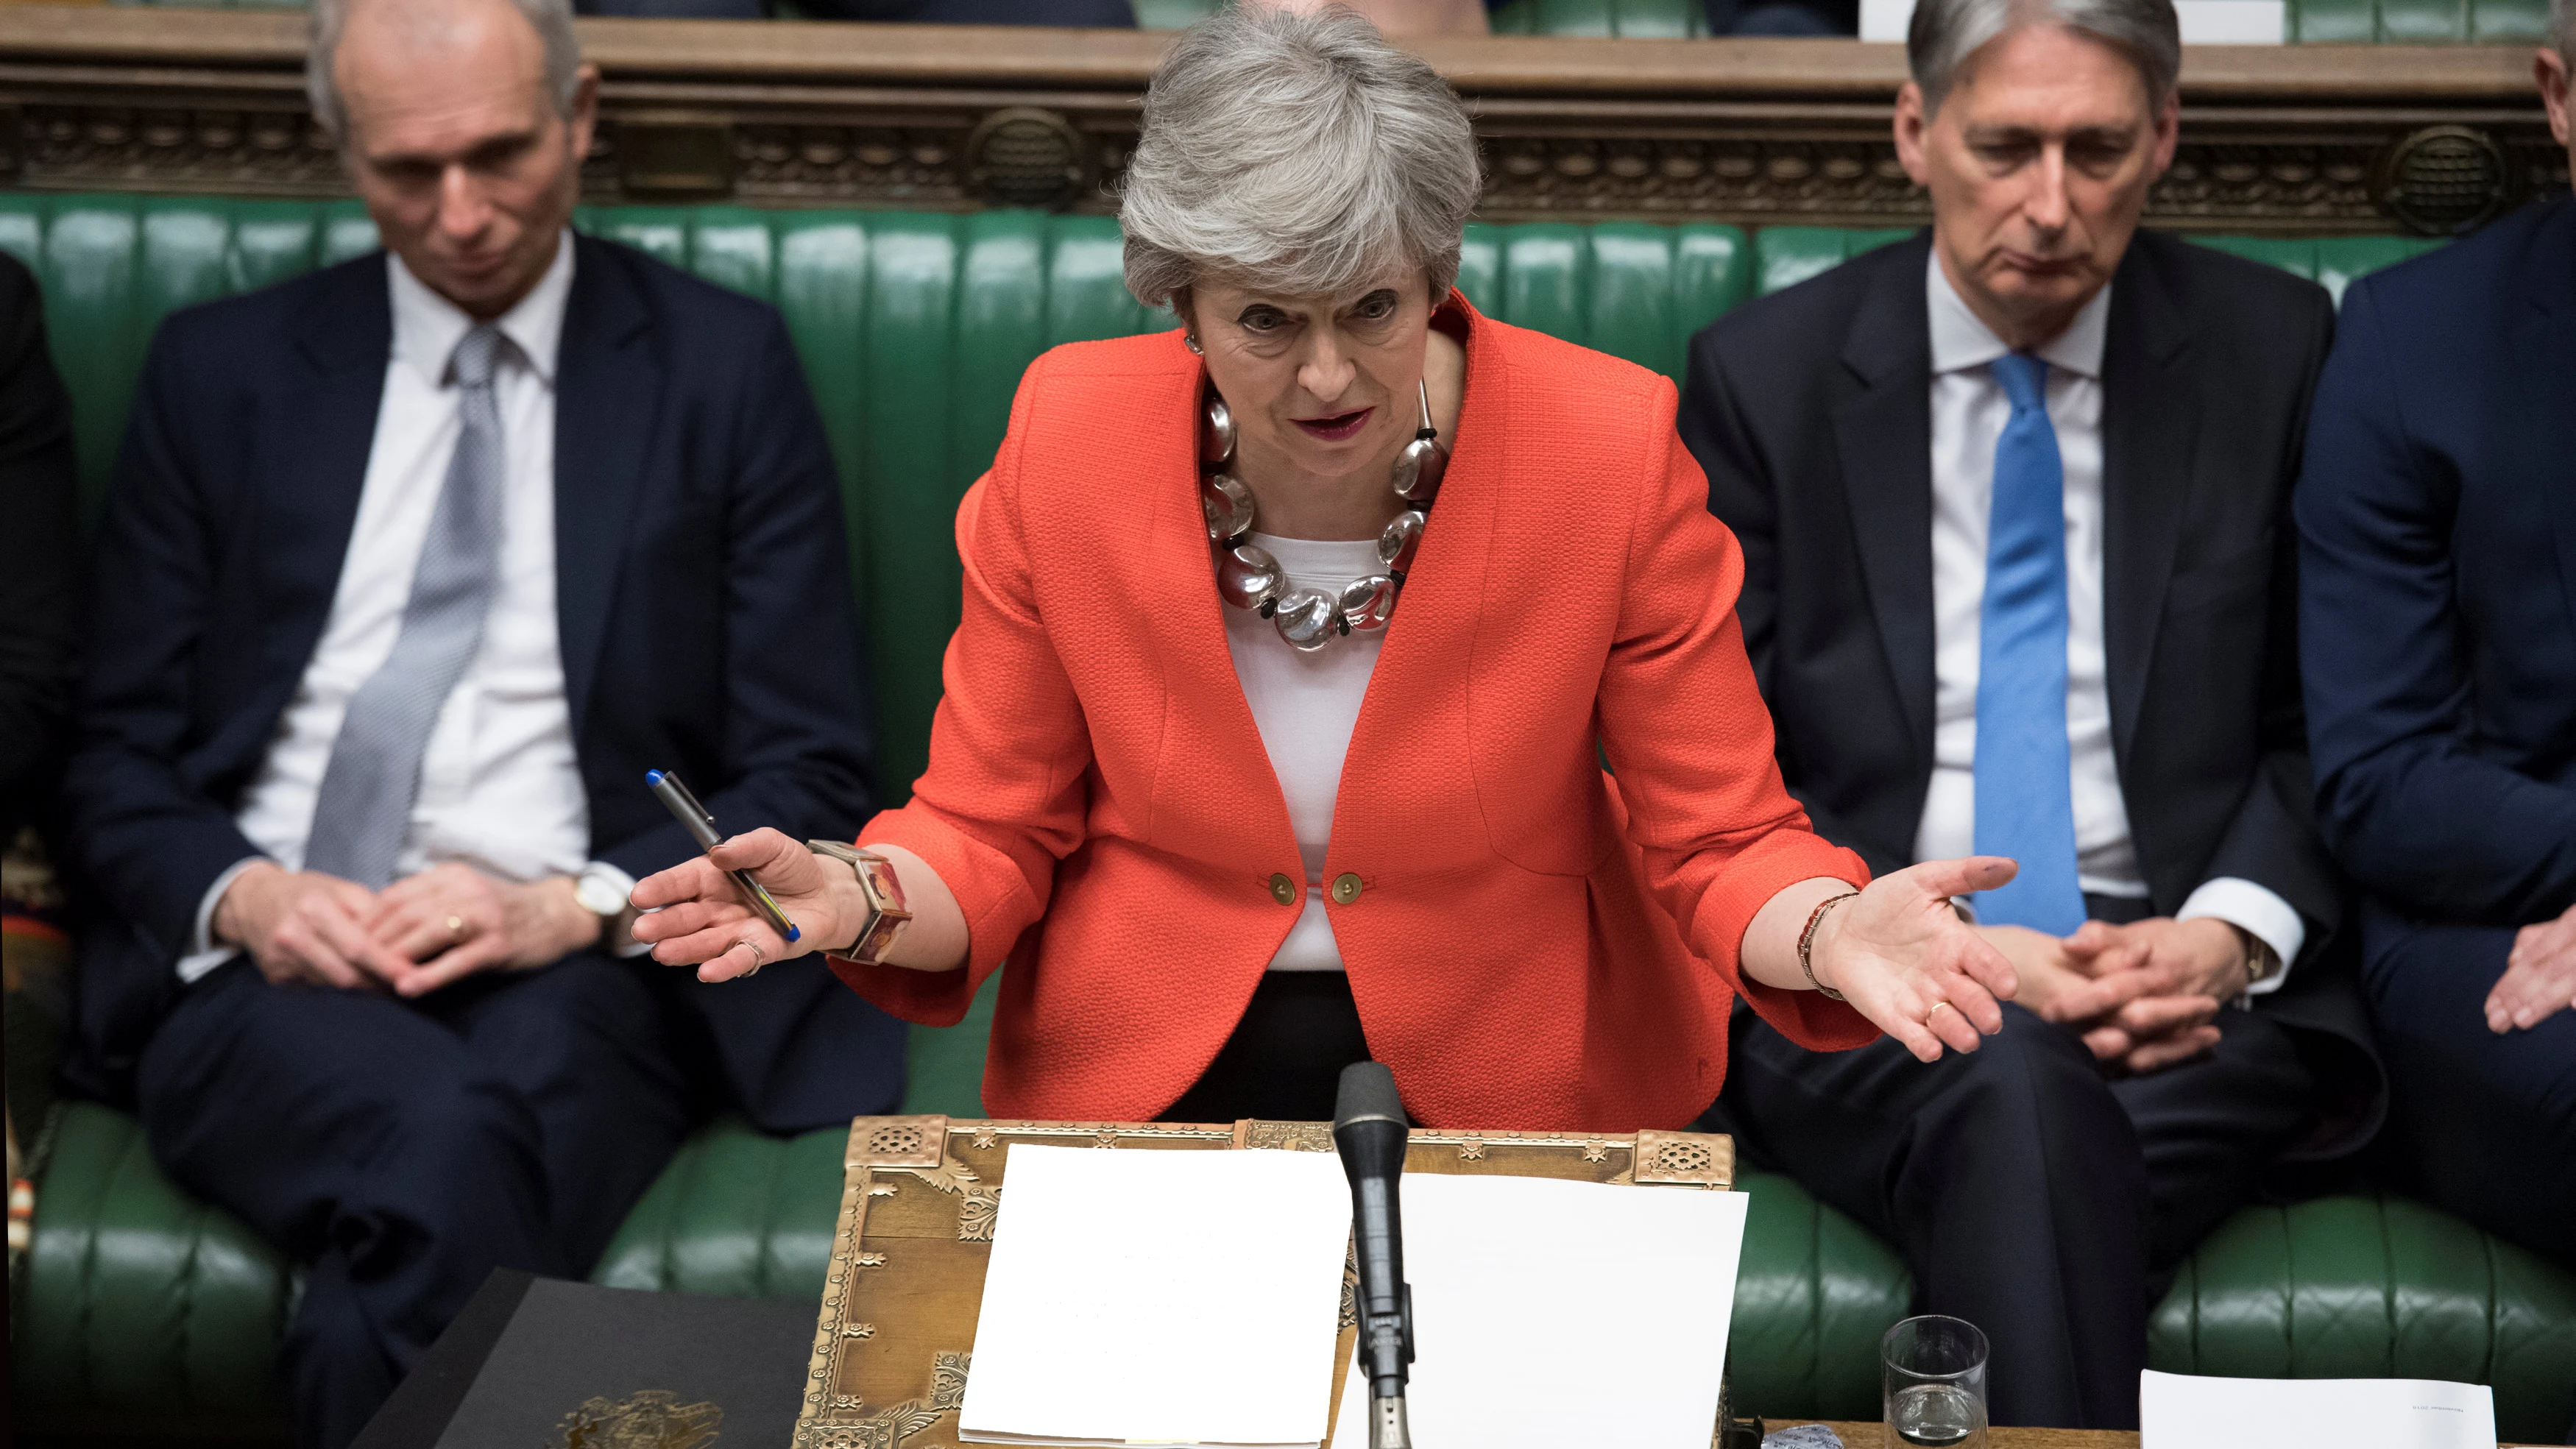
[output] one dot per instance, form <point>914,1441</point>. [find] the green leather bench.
<point>144,1312</point>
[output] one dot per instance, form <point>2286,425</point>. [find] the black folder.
<point>532,1363</point>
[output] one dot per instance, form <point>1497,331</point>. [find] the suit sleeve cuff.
<point>627,948</point>
<point>2271,920</point>
<point>205,953</point>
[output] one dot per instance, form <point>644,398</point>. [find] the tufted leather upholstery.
<point>144,1304</point>
<point>2419,22</point>
<point>141,1306</point>
<point>2358,1287</point>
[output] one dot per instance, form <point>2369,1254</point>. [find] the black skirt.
<point>1285,1059</point>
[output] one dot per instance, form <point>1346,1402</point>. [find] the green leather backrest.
<point>913,330</point>
<point>2418,22</point>
<point>2366,1287</point>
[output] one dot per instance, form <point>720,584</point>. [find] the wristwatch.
<point>887,912</point>
<point>602,889</point>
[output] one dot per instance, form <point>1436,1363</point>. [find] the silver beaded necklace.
<point>1248,577</point>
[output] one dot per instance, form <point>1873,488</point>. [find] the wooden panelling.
<point>2297,139</point>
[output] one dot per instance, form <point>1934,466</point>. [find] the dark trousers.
<point>2030,1194</point>
<point>1284,1061</point>
<point>2479,1124</point>
<point>403,1150</point>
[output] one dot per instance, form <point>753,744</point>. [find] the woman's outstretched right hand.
<point>697,916</point>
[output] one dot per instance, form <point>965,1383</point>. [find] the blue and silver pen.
<point>693,817</point>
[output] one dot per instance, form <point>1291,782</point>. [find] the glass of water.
<point>1934,1373</point>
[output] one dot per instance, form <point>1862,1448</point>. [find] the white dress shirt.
<point>1306,706</point>
<point>500,785</point>
<point>1969,410</point>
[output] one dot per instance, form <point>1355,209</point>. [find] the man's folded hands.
<point>409,939</point>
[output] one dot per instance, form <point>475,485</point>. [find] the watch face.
<point>597,896</point>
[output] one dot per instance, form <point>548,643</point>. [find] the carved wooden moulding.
<point>2313,139</point>
<point>894,1341</point>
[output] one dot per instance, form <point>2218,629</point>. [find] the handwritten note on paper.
<point>2182,1411</point>
<point>1188,1298</point>
<point>1552,1313</point>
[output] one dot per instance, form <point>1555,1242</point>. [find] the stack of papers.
<point>1194,1297</point>
<point>2179,1411</point>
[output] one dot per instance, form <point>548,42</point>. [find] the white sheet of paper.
<point>1162,1296</point>
<point>2183,1411</point>
<point>1550,1313</point>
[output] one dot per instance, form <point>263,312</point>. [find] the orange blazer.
<point>1533,945</point>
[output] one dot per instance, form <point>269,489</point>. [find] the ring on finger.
<point>1936,1006</point>
<point>456,927</point>
<point>759,958</point>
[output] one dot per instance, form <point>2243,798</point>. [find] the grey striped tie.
<point>364,808</point>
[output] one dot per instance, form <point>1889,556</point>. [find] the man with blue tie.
<point>2013,501</point>
<point>2437,518</point>
<point>412,568</point>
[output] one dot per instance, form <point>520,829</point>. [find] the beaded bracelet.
<point>1807,940</point>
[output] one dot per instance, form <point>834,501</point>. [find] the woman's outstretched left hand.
<point>1906,960</point>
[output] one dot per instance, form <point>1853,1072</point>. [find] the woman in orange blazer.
<point>1231,825</point>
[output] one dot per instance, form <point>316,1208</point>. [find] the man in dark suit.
<point>39,555</point>
<point>413,568</point>
<point>2013,502</point>
<point>2437,523</point>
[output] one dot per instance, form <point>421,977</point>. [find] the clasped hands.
<point>411,938</point>
<point>2144,996</point>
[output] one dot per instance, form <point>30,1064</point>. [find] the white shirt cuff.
<point>630,948</point>
<point>2272,920</point>
<point>205,953</point>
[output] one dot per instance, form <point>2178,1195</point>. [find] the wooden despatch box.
<point>918,1197</point>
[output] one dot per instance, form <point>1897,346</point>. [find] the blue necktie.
<point>2025,805</point>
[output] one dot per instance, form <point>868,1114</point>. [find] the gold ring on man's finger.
<point>759,958</point>
<point>456,927</point>
<point>1936,1006</point>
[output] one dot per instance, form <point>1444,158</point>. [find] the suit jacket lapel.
<point>1884,436</point>
<point>608,385</point>
<point>344,341</point>
<point>2150,417</point>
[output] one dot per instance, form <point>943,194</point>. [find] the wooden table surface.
<point>1866,1436</point>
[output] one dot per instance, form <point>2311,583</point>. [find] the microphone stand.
<point>1370,1131</point>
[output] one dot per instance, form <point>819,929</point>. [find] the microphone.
<point>1369,1130</point>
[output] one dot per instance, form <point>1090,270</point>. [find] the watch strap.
<point>888,911</point>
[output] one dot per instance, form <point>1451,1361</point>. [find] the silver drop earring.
<point>1190,340</point>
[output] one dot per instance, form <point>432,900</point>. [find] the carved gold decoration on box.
<point>1688,1159</point>
<point>896,1325</point>
<point>1286,1136</point>
<point>653,1419</point>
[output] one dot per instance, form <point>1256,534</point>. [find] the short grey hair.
<point>552,19</point>
<point>1945,33</point>
<point>1298,150</point>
